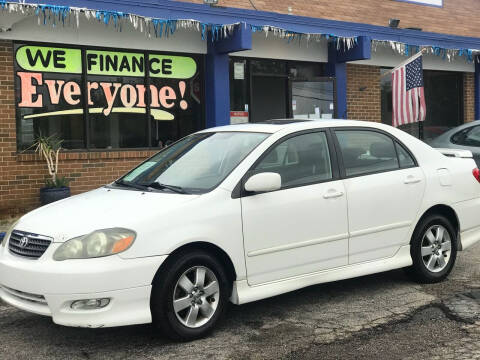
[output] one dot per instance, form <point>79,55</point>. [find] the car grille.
<point>28,245</point>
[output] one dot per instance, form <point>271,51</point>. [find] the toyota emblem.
<point>24,242</point>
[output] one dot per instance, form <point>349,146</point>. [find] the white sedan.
<point>241,213</point>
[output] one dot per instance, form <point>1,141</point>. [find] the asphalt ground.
<point>381,316</point>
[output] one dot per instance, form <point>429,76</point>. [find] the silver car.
<point>466,137</point>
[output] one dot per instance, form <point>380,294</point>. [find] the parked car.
<point>241,213</point>
<point>466,136</point>
<point>431,132</point>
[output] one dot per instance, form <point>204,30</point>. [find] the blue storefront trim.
<point>217,74</point>
<point>217,78</point>
<point>307,25</point>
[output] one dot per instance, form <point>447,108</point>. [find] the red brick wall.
<point>459,17</point>
<point>468,97</point>
<point>363,93</point>
<point>22,175</point>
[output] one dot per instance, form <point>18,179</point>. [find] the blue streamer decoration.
<point>216,32</point>
<point>115,16</point>
<point>54,14</point>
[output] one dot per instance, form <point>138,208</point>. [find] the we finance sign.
<point>109,83</point>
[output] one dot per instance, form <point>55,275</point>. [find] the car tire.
<point>433,249</point>
<point>182,312</point>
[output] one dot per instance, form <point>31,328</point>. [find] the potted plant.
<point>56,187</point>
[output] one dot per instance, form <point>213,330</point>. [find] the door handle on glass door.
<point>332,193</point>
<point>410,179</point>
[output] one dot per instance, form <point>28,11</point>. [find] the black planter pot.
<point>49,195</point>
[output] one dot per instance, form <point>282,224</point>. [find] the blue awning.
<point>165,13</point>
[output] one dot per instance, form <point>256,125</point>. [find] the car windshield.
<point>195,164</point>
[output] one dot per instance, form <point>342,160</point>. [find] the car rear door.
<point>384,188</point>
<point>301,228</point>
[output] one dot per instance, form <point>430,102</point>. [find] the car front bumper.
<point>49,287</point>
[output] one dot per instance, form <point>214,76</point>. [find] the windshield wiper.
<point>132,185</point>
<point>160,186</point>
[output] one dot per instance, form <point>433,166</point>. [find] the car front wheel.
<point>189,296</point>
<point>433,250</point>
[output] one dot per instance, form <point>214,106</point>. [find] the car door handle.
<point>411,180</point>
<point>332,193</point>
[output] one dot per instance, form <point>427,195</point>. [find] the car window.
<point>300,160</point>
<point>404,157</point>
<point>198,162</point>
<point>468,137</point>
<point>365,152</point>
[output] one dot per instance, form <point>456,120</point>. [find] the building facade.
<point>116,82</point>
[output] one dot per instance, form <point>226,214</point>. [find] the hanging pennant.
<point>61,15</point>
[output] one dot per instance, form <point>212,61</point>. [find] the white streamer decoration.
<point>61,15</point>
<point>408,50</point>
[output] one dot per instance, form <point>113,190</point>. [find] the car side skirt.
<point>243,293</point>
<point>469,237</point>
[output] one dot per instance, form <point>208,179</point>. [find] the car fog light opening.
<point>90,304</point>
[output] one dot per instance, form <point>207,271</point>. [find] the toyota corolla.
<point>241,213</point>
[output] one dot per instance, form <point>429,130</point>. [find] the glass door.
<point>269,90</point>
<point>313,99</point>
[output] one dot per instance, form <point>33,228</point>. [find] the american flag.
<point>408,93</point>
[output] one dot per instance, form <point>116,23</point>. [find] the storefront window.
<point>443,97</point>
<point>269,67</point>
<point>182,100</point>
<point>265,89</point>
<point>305,71</point>
<point>102,99</point>
<point>239,91</point>
<point>313,99</point>
<point>122,127</point>
<point>46,112</point>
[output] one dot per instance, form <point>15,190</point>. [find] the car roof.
<point>272,126</point>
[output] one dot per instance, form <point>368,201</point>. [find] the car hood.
<point>99,209</point>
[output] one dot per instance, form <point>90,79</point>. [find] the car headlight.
<point>96,244</point>
<point>7,235</point>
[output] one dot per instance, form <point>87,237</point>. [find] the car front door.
<point>301,228</point>
<point>384,188</point>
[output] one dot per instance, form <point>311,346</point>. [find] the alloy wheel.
<point>196,296</point>
<point>436,248</point>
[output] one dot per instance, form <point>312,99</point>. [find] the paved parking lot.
<point>383,315</point>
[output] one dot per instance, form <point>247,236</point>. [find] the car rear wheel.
<point>433,249</point>
<point>189,295</point>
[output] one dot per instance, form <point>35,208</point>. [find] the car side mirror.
<point>264,182</point>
